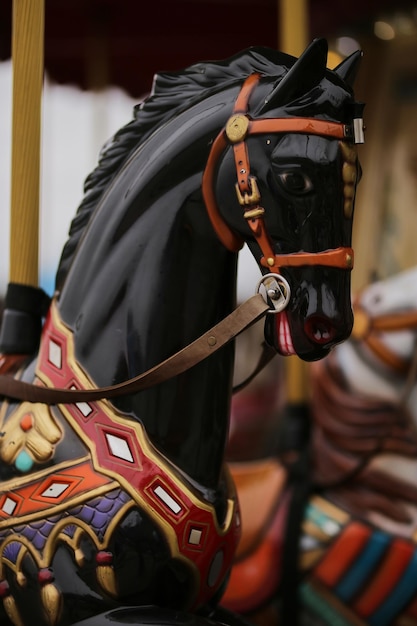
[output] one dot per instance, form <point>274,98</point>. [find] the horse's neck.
<point>149,277</point>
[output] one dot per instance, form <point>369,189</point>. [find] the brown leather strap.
<point>241,104</point>
<point>303,125</point>
<point>341,258</point>
<point>367,329</point>
<point>241,318</point>
<point>239,126</point>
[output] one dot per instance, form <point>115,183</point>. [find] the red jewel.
<point>104,558</point>
<point>4,589</point>
<point>26,423</point>
<point>45,576</point>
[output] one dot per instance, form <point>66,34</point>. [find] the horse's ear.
<point>348,68</point>
<point>306,73</point>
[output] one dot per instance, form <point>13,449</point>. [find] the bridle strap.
<point>367,328</point>
<point>211,341</point>
<point>237,129</point>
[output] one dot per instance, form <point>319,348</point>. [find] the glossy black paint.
<point>151,276</point>
<point>143,274</point>
<point>155,616</point>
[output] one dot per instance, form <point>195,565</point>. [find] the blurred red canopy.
<point>93,43</point>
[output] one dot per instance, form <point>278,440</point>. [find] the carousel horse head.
<point>280,145</point>
<point>129,501</point>
<point>274,138</point>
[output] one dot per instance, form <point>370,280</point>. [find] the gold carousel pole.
<point>25,302</point>
<point>28,61</point>
<point>293,26</point>
<point>293,39</point>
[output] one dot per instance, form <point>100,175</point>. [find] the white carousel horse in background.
<point>378,356</point>
<point>357,542</point>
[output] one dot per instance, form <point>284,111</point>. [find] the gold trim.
<point>12,611</point>
<point>53,509</point>
<point>148,449</point>
<point>57,534</point>
<point>349,176</point>
<point>44,559</point>
<point>106,578</point>
<point>74,544</point>
<point>254,213</point>
<point>52,603</point>
<point>25,547</point>
<point>119,418</point>
<point>17,483</point>
<point>39,440</point>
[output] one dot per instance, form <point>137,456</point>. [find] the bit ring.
<point>277,291</point>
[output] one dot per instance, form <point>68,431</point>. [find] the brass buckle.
<point>247,199</point>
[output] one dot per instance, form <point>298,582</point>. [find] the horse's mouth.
<point>318,330</point>
<point>283,333</point>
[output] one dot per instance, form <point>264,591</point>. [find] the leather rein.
<point>218,336</point>
<point>238,127</point>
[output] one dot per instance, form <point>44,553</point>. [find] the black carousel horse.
<point>110,507</point>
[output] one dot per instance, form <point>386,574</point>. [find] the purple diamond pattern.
<point>97,513</point>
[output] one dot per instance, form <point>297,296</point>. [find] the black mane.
<point>172,92</point>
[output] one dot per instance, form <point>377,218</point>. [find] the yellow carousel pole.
<point>25,303</point>
<point>293,26</point>
<point>28,62</point>
<point>293,39</point>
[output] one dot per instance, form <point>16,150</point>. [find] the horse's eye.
<point>296,182</point>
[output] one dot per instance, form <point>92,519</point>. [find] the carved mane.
<point>172,92</point>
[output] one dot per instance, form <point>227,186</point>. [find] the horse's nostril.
<point>319,329</point>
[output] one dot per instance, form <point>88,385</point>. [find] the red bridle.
<point>237,129</point>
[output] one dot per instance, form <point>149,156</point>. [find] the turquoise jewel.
<point>23,462</point>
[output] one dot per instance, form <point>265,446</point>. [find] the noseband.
<point>237,129</point>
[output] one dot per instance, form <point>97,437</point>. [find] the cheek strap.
<point>238,127</point>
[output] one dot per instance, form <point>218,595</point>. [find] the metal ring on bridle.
<point>277,290</point>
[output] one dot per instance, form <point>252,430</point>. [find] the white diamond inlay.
<point>9,506</point>
<point>167,499</point>
<point>195,536</point>
<point>55,490</point>
<point>119,447</point>
<point>55,354</point>
<point>83,407</point>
